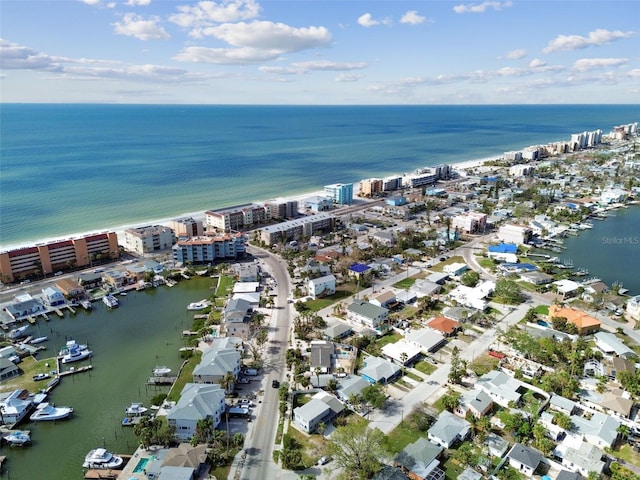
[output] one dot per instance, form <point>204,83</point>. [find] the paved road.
<point>258,463</point>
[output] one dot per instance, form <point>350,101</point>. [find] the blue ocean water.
<point>74,168</point>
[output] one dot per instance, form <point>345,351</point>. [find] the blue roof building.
<point>359,268</point>
<point>503,248</point>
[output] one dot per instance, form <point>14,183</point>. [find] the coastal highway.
<point>258,463</point>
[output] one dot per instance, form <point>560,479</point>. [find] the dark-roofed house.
<point>476,402</point>
<point>8,369</point>
<point>448,430</point>
<point>524,459</point>
<point>566,475</point>
<point>420,460</point>
<point>322,355</point>
<point>178,463</point>
<point>387,472</point>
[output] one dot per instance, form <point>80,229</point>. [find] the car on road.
<point>323,460</point>
<point>57,274</point>
<point>275,384</point>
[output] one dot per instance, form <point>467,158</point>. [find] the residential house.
<point>8,369</point>
<point>53,297</point>
<point>426,339</point>
<point>585,323</point>
<point>420,460</point>
<point>351,385</point>
<point>633,307</point>
<point>473,297</point>
<point>600,430</point>
<point>90,280</point>
<point>609,344</point>
<point>15,405</point>
<point>518,234</point>
<point>322,356</point>
<point>448,430</point>
<point>455,269</point>
<point>216,362</point>
<point>401,352</point>
<point>460,314</point>
<point>470,474</point>
<point>384,299</point>
<point>358,270</point>
<point>438,277</point>
<point>535,277</point>
<point>367,314</point>
<point>567,475</point>
<point>445,326</point>
<point>581,457</point>
<point>567,288</point>
<point>387,239</point>
<point>561,404</point>
<point>474,402</point>
<point>23,306</point>
<point>115,279</point>
<point>496,445</point>
<point>236,316</point>
<point>524,459</point>
<point>503,252</point>
<point>321,287</point>
<point>501,387</point>
<point>379,370</point>
<point>197,402</point>
<point>322,408</point>
<point>424,288</point>
<point>246,272</point>
<point>387,472</point>
<point>337,330</point>
<point>613,402</point>
<point>184,462</point>
<point>70,288</point>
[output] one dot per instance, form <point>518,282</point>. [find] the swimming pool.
<point>543,323</point>
<point>142,463</point>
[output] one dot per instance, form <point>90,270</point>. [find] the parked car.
<point>323,460</point>
<point>275,384</point>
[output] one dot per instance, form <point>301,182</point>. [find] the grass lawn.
<point>627,454</point>
<point>542,309</point>
<point>452,469</point>
<point>186,376</point>
<point>440,266</point>
<point>321,303</point>
<point>484,364</point>
<point>29,366</point>
<point>400,437</point>
<point>528,286</point>
<point>425,367</point>
<point>486,263</point>
<point>413,376</point>
<point>405,283</point>
<point>388,338</point>
<point>224,286</point>
<point>312,446</point>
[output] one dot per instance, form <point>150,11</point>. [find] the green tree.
<point>374,395</point>
<point>458,366</point>
<point>470,278</point>
<point>358,450</point>
<point>450,400</point>
<point>508,292</point>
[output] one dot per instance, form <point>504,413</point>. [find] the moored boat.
<point>48,412</point>
<point>100,458</point>
<point>136,410</point>
<point>161,371</point>
<point>110,301</point>
<point>37,340</point>
<point>18,332</point>
<point>18,438</point>
<point>76,353</point>
<point>201,305</point>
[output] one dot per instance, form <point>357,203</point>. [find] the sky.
<point>320,52</point>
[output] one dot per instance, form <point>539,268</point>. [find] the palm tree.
<point>227,382</point>
<point>204,431</point>
<point>404,357</point>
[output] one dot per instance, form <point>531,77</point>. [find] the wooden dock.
<point>58,312</point>
<point>161,380</point>
<point>74,370</point>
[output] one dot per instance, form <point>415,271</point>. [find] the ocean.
<point>67,169</point>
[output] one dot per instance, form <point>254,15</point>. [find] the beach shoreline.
<point>199,215</point>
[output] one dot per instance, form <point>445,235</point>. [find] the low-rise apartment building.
<point>235,218</point>
<point>148,239</point>
<point>297,228</point>
<point>199,250</point>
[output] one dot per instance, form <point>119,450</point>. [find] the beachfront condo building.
<point>187,227</point>
<point>148,239</point>
<point>48,258</point>
<point>371,187</point>
<point>199,250</point>
<point>340,193</point>
<point>297,229</point>
<point>281,209</point>
<point>235,218</point>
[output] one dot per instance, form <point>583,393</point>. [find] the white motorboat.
<point>201,305</point>
<point>69,345</point>
<point>18,438</point>
<point>136,410</point>
<point>161,371</point>
<point>37,340</point>
<point>86,304</point>
<point>18,332</point>
<point>99,458</point>
<point>110,301</point>
<point>47,412</point>
<point>76,353</point>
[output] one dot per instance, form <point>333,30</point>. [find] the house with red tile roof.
<point>444,325</point>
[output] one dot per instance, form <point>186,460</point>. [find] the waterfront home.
<point>90,280</point>
<point>420,460</point>
<point>70,288</point>
<point>518,234</point>
<point>321,287</point>
<point>235,316</point>
<point>585,323</point>
<point>246,272</point>
<point>53,297</point>
<point>567,288</point>
<point>197,402</point>
<point>535,277</point>
<point>367,314</point>
<point>633,307</point>
<point>23,306</point>
<point>322,408</point>
<point>8,369</point>
<point>15,406</point>
<point>524,459</point>
<point>184,462</point>
<point>379,370</point>
<point>448,430</point>
<point>115,279</point>
<point>216,363</point>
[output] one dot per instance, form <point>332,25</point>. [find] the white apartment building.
<point>148,239</point>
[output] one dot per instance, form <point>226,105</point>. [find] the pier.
<point>161,380</point>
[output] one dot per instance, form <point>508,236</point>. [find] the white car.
<point>324,460</point>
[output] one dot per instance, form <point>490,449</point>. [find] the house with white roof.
<point>609,344</point>
<point>322,286</point>
<point>567,288</point>
<point>401,352</point>
<point>580,456</point>
<point>427,340</point>
<point>501,387</point>
<point>15,405</point>
<point>600,430</point>
<point>473,297</point>
<point>448,430</point>
<point>53,297</point>
<point>633,307</point>
<point>425,287</point>
<point>197,402</point>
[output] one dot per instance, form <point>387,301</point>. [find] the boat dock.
<point>161,380</point>
<point>74,370</point>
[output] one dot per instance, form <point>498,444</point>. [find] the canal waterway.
<point>128,342</point>
<point>610,251</point>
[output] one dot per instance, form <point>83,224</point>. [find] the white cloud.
<point>412,18</point>
<point>133,25</point>
<point>586,64</point>
<point>347,78</point>
<point>512,72</point>
<point>91,2</point>
<point>480,7</point>
<point>575,42</point>
<point>516,54</point>
<point>537,63</point>
<point>226,56</point>
<point>367,21</point>
<point>280,70</point>
<point>329,66</point>
<point>18,57</point>
<point>141,3</point>
<point>207,13</point>
<point>269,36</point>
